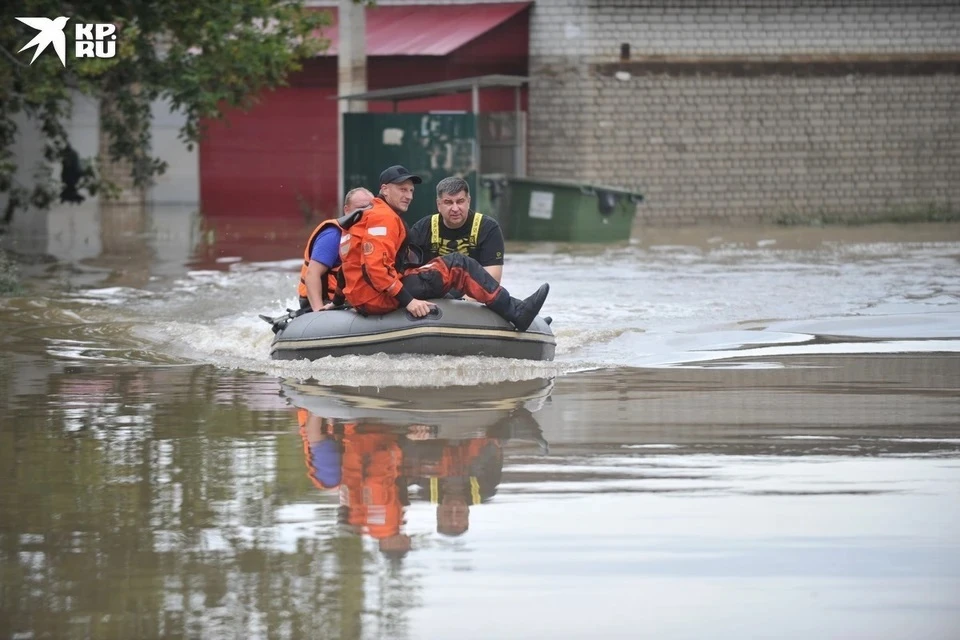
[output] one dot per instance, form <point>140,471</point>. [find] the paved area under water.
<point>747,433</point>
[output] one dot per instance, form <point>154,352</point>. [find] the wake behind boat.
<point>453,328</point>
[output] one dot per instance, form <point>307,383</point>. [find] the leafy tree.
<point>199,55</point>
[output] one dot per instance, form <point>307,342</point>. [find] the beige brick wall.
<point>592,30</point>
<point>730,144</point>
<point>742,150</point>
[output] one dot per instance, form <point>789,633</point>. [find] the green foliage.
<point>200,55</point>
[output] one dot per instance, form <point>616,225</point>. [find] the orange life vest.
<point>329,283</point>
<point>369,492</point>
<point>368,251</point>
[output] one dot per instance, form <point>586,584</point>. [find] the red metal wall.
<point>280,159</point>
<point>274,160</point>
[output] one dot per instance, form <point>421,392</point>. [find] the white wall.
<point>72,231</point>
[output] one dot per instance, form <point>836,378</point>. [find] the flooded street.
<point>745,434</point>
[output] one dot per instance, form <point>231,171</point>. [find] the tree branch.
<point>13,58</point>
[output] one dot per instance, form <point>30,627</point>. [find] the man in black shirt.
<point>457,228</point>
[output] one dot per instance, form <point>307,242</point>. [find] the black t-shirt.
<point>487,249</point>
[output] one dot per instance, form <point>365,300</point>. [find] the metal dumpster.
<point>566,211</point>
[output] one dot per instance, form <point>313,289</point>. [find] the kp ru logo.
<point>92,40</point>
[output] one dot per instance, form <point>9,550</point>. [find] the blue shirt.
<point>326,248</point>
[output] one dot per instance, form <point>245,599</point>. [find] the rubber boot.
<point>521,313</point>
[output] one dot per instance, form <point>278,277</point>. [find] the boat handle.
<point>434,312</point>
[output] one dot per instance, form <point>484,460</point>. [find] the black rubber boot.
<point>521,313</point>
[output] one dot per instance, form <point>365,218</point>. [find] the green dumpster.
<point>564,211</point>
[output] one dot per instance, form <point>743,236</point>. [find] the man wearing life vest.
<point>372,494</point>
<point>456,228</point>
<point>377,280</point>
<point>321,449</point>
<point>361,461</point>
<point>454,474</point>
<point>321,257</point>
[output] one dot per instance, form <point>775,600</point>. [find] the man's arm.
<point>316,272</point>
<point>378,255</point>
<point>496,271</point>
<point>490,248</point>
<point>323,256</point>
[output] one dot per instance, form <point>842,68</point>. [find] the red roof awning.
<point>425,30</point>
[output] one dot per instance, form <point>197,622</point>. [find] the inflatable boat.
<point>453,328</point>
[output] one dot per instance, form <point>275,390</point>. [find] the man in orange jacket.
<point>377,278</point>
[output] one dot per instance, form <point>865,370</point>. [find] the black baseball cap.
<point>397,174</point>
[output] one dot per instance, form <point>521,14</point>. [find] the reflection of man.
<point>321,451</point>
<point>454,474</point>
<point>372,465</point>
<point>371,496</point>
<point>364,463</point>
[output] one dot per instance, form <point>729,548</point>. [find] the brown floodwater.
<point>750,433</point>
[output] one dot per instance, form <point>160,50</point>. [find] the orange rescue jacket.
<point>369,491</point>
<point>368,251</point>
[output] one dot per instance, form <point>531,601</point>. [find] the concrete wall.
<point>75,231</point>
<point>180,185</point>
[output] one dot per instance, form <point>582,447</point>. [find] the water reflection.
<point>153,503</point>
<point>382,451</point>
<point>180,501</point>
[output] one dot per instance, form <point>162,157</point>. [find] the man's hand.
<point>418,308</point>
<point>419,432</point>
<point>326,307</point>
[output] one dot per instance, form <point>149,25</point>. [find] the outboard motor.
<point>280,323</point>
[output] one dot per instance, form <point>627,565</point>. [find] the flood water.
<point>745,434</point>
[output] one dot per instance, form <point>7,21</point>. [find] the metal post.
<point>351,72</point>
<point>520,137</point>
<point>476,129</point>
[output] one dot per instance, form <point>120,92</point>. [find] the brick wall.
<point>740,112</point>
<point>593,29</point>
<point>750,110</point>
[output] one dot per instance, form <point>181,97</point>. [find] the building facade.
<point>281,158</point>
<point>737,112</point>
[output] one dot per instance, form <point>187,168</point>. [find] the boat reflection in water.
<point>382,448</point>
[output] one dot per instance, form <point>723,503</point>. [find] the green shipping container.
<point>564,211</point>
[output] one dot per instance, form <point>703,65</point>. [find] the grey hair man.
<point>321,257</point>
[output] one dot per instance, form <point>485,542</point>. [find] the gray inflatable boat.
<point>453,328</point>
